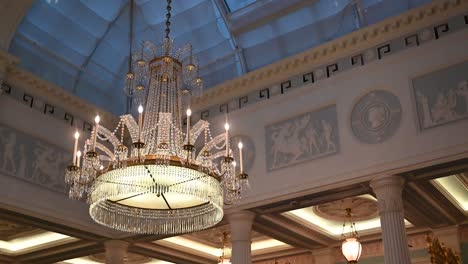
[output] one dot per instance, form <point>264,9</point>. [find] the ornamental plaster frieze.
<point>26,87</point>
<point>327,53</point>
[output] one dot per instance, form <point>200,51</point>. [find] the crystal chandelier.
<point>154,175</point>
<point>351,247</point>
<point>225,251</point>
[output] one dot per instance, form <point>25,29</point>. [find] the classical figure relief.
<point>308,136</point>
<point>47,162</point>
<point>25,157</point>
<point>449,105</point>
<point>9,141</point>
<point>442,97</point>
<point>376,116</point>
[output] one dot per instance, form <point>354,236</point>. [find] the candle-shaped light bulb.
<point>140,121</point>
<point>78,158</point>
<point>241,146</point>
<point>226,127</point>
<point>75,148</point>
<point>97,119</point>
<point>189,114</point>
<point>101,167</point>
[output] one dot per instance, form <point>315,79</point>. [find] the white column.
<point>324,255</point>
<point>241,229</point>
<point>388,190</point>
<point>116,251</point>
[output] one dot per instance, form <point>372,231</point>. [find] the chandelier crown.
<point>158,174</point>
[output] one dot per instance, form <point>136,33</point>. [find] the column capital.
<point>241,216</point>
<point>241,229</point>
<point>387,181</point>
<point>241,225</point>
<point>388,190</point>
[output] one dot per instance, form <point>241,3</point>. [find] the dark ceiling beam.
<point>279,254</point>
<point>438,201</point>
<point>313,199</point>
<point>463,178</point>
<point>290,232</point>
<point>7,259</point>
<point>50,226</point>
<point>437,171</point>
<point>168,254</point>
<point>426,206</point>
<point>61,252</point>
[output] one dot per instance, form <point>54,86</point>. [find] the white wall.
<point>357,162</point>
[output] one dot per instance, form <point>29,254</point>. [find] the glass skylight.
<point>234,5</point>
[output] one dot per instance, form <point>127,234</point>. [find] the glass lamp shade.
<point>127,199</point>
<point>351,249</point>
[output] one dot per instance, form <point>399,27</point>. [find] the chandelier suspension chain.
<point>130,73</point>
<point>168,17</point>
<point>130,37</point>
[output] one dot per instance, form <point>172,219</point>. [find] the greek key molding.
<point>377,42</point>
<point>46,97</point>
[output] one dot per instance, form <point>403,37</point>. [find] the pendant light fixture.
<point>351,247</point>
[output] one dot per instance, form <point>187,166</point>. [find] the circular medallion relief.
<point>362,208</point>
<point>376,116</point>
<point>248,150</point>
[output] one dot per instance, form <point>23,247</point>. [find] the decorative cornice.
<point>345,46</point>
<point>7,62</point>
<point>27,83</point>
<point>274,74</point>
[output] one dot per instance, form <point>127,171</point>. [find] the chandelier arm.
<point>197,129</point>
<point>132,126</point>
<point>209,145</point>
<point>106,150</point>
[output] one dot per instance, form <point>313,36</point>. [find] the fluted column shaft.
<point>241,229</point>
<point>116,251</point>
<point>388,190</point>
